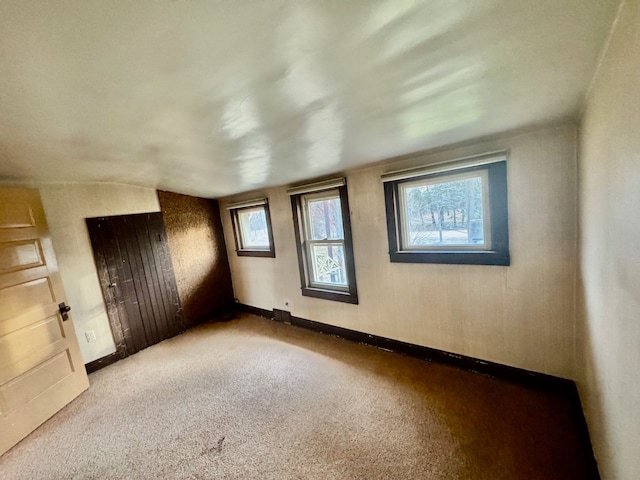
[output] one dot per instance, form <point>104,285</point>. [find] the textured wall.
<point>609,197</point>
<point>198,253</point>
<point>522,315</point>
<point>66,207</point>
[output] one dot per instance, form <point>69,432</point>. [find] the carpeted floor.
<point>255,399</point>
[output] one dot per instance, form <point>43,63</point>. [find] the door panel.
<point>29,341</point>
<point>16,209</point>
<point>25,388</point>
<point>17,298</point>
<point>137,279</point>
<point>160,329</point>
<point>41,369</point>
<point>20,255</point>
<point>106,254</point>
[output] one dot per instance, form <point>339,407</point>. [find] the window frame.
<point>434,180</point>
<point>241,251</point>
<point>309,288</point>
<point>497,208</point>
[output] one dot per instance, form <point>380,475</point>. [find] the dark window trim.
<point>499,255</point>
<point>349,296</point>
<point>248,252</point>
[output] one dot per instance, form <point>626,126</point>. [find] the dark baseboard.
<point>221,314</point>
<point>261,312</point>
<point>536,380</point>
<point>512,374</point>
<point>583,430</point>
<point>102,362</point>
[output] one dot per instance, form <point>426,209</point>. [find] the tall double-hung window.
<point>323,239</point>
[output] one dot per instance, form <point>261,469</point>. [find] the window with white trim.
<point>449,214</point>
<point>323,240</point>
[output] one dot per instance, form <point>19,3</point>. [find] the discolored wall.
<point>199,255</point>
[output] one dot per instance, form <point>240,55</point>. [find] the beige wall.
<point>522,315</point>
<point>609,197</point>
<point>66,207</point>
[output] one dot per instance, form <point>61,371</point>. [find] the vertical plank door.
<point>137,279</point>
<point>41,369</point>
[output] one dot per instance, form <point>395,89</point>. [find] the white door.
<point>41,369</point>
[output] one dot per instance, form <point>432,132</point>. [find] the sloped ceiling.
<point>216,97</point>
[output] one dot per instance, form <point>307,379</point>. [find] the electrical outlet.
<point>90,336</point>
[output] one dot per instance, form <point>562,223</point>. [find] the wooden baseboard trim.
<point>536,380</point>
<point>485,367</point>
<point>505,372</point>
<point>102,362</point>
<point>221,314</point>
<point>583,429</point>
<point>261,312</point>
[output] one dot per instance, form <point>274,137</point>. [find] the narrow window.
<point>252,229</point>
<point>456,215</point>
<point>323,240</point>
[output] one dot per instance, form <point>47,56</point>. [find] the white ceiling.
<point>217,97</point>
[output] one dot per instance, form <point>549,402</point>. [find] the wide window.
<point>323,237</point>
<point>252,228</point>
<point>454,214</point>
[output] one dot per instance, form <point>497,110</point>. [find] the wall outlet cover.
<point>90,336</point>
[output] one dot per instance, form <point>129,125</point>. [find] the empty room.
<point>319,239</point>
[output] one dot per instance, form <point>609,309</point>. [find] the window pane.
<point>325,219</point>
<point>253,228</point>
<point>328,264</point>
<point>444,214</point>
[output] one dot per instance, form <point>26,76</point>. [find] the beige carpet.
<point>254,399</point>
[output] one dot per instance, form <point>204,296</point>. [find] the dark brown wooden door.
<point>137,279</point>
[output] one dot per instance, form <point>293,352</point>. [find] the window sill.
<point>256,253</point>
<point>452,257</point>
<point>334,295</point>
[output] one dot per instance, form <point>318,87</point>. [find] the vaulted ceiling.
<point>216,97</point>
